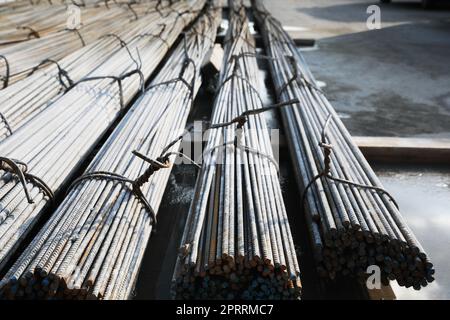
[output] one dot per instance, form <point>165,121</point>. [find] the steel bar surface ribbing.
<point>37,22</point>
<point>17,60</point>
<point>55,142</point>
<point>25,99</point>
<point>93,244</point>
<point>22,25</point>
<point>353,222</point>
<point>237,242</point>
<point>32,21</point>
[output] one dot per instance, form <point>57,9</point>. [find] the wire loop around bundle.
<point>5,121</point>
<point>5,78</point>
<point>155,165</point>
<point>240,121</point>
<point>78,34</point>
<point>159,163</point>
<point>295,77</point>
<point>128,5</point>
<point>33,33</point>
<point>326,172</point>
<point>115,36</point>
<point>62,73</point>
<point>20,169</point>
<point>244,148</point>
<point>136,184</point>
<point>117,79</point>
<point>243,117</point>
<point>154,35</point>
<point>235,74</point>
<point>190,86</point>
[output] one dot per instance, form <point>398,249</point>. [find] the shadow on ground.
<point>389,82</point>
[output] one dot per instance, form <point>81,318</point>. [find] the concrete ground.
<point>389,82</point>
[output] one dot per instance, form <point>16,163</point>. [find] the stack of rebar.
<point>353,222</point>
<point>21,25</point>
<point>237,243</point>
<point>17,60</point>
<point>39,158</point>
<point>25,99</point>
<point>32,22</point>
<point>92,246</point>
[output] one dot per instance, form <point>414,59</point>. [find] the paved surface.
<point>389,82</point>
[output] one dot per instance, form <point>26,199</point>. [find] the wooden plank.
<point>405,150</point>
<point>385,293</point>
<point>213,61</point>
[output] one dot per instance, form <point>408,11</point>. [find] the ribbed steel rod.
<point>22,25</point>
<point>353,222</point>
<point>17,60</point>
<point>25,99</point>
<point>56,141</point>
<point>237,242</point>
<point>33,22</point>
<point>92,246</point>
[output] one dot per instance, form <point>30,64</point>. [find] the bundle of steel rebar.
<point>39,158</point>
<point>38,21</point>
<point>29,22</point>
<point>354,223</point>
<point>92,246</point>
<point>25,99</point>
<point>8,5</point>
<point>17,60</point>
<point>237,242</point>
<point>22,25</point>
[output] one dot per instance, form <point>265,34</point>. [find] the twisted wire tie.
<point>7,75</point>
<point>159,163</point>
<point>243,117</point>
<point>5,121</point>
<point>117,79</point>
<point>77,32</point>
<point>326,172</point>
<point>136,184</point>
<point>157,36</point>
<point>190,86</point>
<point>113,35</point>
<point>62,73</point>
<point>33,33</point>
<point>20,169</point>
<point>240,121</point>
<point>235,74</point>
<point>132,10</point>
<point>295,77</point>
